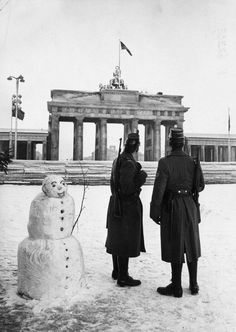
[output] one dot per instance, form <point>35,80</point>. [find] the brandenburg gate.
<point>113,103</point>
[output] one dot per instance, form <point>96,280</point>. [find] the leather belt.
<point>181,192</point>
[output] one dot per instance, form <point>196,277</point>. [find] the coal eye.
<point>54,185</point>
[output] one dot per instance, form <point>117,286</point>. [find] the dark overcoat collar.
<point>179,153</point>
<point>128,155</point>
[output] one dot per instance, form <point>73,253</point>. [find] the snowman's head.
<point>54,186</point>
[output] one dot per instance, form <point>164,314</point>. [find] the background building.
<point>28,142</point>
<point>210,147</point>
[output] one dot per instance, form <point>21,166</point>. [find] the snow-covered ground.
<point>103,306</point>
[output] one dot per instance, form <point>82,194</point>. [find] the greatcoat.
<point>172,200</point>
<point>125,233</point>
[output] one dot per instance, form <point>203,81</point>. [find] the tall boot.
<point>115,267</point>
<point>175,287</point>
<point>176,278</point>
<point>123,276</point>
<point>192,269</point>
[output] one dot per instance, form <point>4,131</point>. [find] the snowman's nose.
<point>59,187</point>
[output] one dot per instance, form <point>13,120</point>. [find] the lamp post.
<point>18,79</point>
<point>229,143</point>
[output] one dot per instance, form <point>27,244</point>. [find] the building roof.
<point>192,135</point>
<point>39,131</point>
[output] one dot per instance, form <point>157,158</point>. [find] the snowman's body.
<point>50,260</point>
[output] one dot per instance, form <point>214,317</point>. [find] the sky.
<point>182,47</point>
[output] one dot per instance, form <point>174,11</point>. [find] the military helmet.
<point>176,135</point>
<point>133,138</point>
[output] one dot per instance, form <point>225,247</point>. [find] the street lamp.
<point>18,79</point>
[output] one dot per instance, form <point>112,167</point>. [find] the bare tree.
<point>82,206</point>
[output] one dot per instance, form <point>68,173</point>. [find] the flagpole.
<point>10,138</point>
<point>229,143</point>
<point>119,53</point>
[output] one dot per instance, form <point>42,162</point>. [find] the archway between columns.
<point>38,151</point>
<point>163,141</point>
<point>115,131</point>
<point>66,136</point>
<point>141,152</point>
<point>89,135</point>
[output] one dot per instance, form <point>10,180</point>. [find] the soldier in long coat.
<point>173,206</point>
<point>125,214</point>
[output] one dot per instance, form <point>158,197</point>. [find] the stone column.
<point>225,149</point>
<point>29,150</point>
<point>101,140</point>
<point>190,149</point>
<point>134,125</point>
<point>127,130</point>
<point>44,151</point>
<point>78,139</point>
<point>229,150</point>
<point>167,131</point>
<point>130,126</point>
<point>33,150</point>
<point>211,154</point>
<point>49,137</point>
<point>216,153</point>
<point>134,128</point>
<point>148,142</point>
<point>220,154</point>
<point>55,137</point>
<point>202,153</point>
<point>233,153</point>
<point>97,141</point>
<point>156,140</point>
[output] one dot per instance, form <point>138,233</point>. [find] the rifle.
<point>117,200</point>
<point>186,146</point>
<point>196,184</point>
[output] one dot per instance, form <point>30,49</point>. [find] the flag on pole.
<point>228,121</point>
<point>123,47</point>
<point>20,114</point>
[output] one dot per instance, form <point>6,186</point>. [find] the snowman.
<point>50,259</point>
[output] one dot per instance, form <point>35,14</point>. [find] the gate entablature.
<point>129,107</point>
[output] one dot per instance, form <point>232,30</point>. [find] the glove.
<point>142,177</point>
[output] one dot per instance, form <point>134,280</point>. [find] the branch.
<point>85,187</point>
